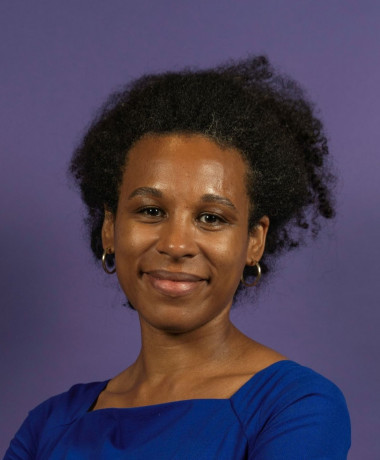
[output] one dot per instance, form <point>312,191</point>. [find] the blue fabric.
<point>286,411</point>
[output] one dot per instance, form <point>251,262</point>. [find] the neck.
<point>166,354</point>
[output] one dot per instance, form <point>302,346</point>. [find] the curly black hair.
<point>242,104</point>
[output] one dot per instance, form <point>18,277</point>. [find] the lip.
<point>174,284</point>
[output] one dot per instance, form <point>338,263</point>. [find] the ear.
<point>257,238</point>
<point>108,230</point>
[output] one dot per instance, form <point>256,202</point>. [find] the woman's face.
<point>180,234</point>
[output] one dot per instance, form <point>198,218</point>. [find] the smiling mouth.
<point>173,284</point>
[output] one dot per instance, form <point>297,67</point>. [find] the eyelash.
<point>219,220</point>
<point>149,208</point>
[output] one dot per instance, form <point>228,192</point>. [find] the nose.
<point>177,238</point>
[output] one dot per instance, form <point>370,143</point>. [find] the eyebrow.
<point>218,199</point>
<point>207,198</point>
<point>145,191</point>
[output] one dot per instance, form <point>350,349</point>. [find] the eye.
<point>151,211</point>
<point>211,219</point>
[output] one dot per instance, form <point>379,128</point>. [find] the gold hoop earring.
<point>257,279</point>
<point>104,262</point>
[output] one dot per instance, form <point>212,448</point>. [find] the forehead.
<point>185,162</point>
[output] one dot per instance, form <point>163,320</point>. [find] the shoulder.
<point>287,403</point>
<point>54,412</point>
<point>285,380</point>
<point>68,405</point>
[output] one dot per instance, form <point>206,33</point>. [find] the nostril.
<point>176,252</point>
<point>176,248</point>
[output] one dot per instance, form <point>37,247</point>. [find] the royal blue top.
<point>285,411</point>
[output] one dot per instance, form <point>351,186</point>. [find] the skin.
<point>181,241</point>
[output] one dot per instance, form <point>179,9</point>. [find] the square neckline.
<point>147,407</point>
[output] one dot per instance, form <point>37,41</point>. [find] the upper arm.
<point>22,446</point>
<point>310,425</point>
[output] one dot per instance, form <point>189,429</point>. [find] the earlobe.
<point>108,230</point>
<point>257,241</point>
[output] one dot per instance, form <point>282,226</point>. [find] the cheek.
<point>228,253</point>
<point>131,247</point>
<point>132,241</point>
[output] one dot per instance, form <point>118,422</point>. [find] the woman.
<point>195,182</point>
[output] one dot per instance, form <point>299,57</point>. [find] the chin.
<point>175,319</point>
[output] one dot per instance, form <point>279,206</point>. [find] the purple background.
<point>62,319</point>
